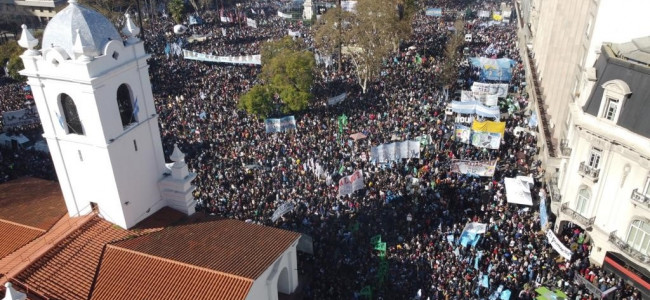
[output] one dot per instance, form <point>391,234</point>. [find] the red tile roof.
<point>13,236</point>
<point>31,201</point>
<point>128,275</point>
<point>67,270</point>
<point>227,246</point>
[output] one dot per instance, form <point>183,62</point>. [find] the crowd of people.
<point>413,204</point>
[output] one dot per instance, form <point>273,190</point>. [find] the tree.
<point>452,54</point>
<point>112,9</point>
<point>257,101</point>
<point>10,56</point>
<point>176,9</point>
<point>287,72</point>
<point>368,35</point>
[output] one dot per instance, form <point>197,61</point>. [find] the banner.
<point>518,191</point>
<point>225,19</point>
<point>280,125</point>
<point>486,140</point>
<point>282,210</point>
<point>489,126</point>
<point>283,15</point>
<point>472,167</point>
<point>498,89</point>
<point>473,107</point>
<point>251,23</point>
<point>493,69</point>
<point>20,117</point>
<point>293,33</point>
<point>350,6</point>
<point>470,235</point>
<point>475,227</point>
<point>337,99</point>
<point>433,12</point>
<point>483,14</point>
<point>350,184</point>
<point>543,215</point>
<point>395,151</point>
<point>462,133</point>
<point>558,246</point>
<point>245,59</point>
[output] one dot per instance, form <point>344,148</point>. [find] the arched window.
<point>72,121</point>
<point>639,236</point>
<point>125,105</point>
<point>584,194</point>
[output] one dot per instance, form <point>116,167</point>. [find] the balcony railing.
<point>640,198</point>
<point>588,171</point>
<point>564,147</point>
<point>628,249</point>
<point>584,221</point>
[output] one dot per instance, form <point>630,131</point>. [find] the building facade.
<point>606,185</point>
<point>32,12</point>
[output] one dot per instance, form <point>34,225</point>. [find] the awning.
<point>637,276</point>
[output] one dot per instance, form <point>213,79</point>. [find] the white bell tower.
<point>94,99</point>
<point>308,10</point>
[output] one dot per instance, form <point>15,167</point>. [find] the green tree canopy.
<point>368,35</point>
<point>176,9</point>
<point>258,101</point>
<point>287,72</point>
<point>10,56</point>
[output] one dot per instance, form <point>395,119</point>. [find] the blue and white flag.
<point>136,109</point>
<point>61,122</point>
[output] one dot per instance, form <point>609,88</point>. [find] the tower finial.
<point>28,41</point>
<point>177,155</point>
<point>80,50</point>
<point>130,30</point>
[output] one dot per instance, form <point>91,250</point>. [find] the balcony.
<point>576,216</point>
<point>640,198</point>
<point>564,147</point>
<point>627,248</point>
<point>588,171</point>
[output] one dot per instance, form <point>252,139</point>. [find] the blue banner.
<point>280,125</point>
<point>434,12</point>
<point>494,69</point>
<point>543,215</point>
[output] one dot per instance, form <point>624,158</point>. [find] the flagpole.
<point>140,18</point>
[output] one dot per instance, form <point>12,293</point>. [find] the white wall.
<point>266,286</point>
<point>619,21</point>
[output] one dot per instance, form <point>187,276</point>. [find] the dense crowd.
<point>414,204</point>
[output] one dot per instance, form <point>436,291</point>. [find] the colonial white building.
<point>94,99</point>
<point>605,186</point>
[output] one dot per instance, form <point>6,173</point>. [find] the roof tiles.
<point>126,274</point>
<point>14,236</point>
<point>228,246</point>
<point>32,202</point>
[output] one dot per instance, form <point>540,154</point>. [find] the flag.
<point>60,120</point>
<point>136,108</point>
<point>485,281</point>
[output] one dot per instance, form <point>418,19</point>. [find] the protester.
<point>414,204</point>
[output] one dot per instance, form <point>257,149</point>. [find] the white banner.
<point>350,184</point>
<point>20,117</point>
<point>499,89</point>
<point>558,246</point>
<point>282,210</point>
<point>395,151</point>
<point>488,140</point>
<point>472,167</point>
<point>350,6</point>
<point>283,15</point>
<point>244,59</point>
<point>337,99</point>
<point>483,14</point>
<point>251,23</point>
<point>294,33</point>
<point>225,19</point>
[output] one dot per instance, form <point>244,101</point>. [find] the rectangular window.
<point>594,157</point>
<point>610,110</point>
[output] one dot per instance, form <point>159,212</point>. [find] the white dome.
<point>95,30</point>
